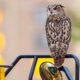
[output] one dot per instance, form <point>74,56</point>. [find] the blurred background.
<point>22,22</point>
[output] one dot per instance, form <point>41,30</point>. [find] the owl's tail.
<point>58,62</point>
<point>58,59</point>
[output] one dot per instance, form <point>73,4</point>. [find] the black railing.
<point>63,68</point>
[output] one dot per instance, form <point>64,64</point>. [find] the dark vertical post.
<point>32,68</point>
<point>67,72</point>
<point>76,68</point>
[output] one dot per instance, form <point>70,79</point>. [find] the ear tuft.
<point>61,5</point>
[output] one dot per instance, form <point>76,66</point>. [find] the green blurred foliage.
<point>75,26</point>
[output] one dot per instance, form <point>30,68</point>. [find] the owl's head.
<point>55,10</point>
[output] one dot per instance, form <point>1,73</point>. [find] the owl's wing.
<point>58,38</point>
<point>66,35</point>
<point>51,35</point>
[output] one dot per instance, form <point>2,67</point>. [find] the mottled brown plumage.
<point>58,32</point>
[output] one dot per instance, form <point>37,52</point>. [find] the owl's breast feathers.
<point>58,32</point>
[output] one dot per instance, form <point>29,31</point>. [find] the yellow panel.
<point>2,46</point>
<point>39,62</point>
<point>2,71</point>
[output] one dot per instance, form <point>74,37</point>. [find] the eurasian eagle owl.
<point>58,32</point>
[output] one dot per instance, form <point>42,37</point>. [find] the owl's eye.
<point>49,8</point>
<point>55,8</point>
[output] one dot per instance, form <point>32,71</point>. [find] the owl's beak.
<point>51,12</point>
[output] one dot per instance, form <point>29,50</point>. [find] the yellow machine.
<point>2,70</point>
<point>2,46</point>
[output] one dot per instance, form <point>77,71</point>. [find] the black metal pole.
<point>67,72</point>
<point>43,56</point>
<point>32,68</point>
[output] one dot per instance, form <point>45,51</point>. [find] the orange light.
<point>1,16</point>
<point>2,42</point>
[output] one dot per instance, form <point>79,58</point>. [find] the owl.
<point>58,33</point>
<point>49,72</point>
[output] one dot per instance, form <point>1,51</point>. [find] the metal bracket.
<point>65,69</point>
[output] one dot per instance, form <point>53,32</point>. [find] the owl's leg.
<point>58,59</point>
<point>63,53</point>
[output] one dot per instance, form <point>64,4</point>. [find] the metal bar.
<point>76,67</point>
<point>44,56</point>
<point>67,72</point>
<point>13,64</point>
<point>67,56</point>
<point>16,61</point>
<point>6,66</point>
<point>33,68</point>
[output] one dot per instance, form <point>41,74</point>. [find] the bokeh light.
<point>1,17</point>
<point>2,42</point>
